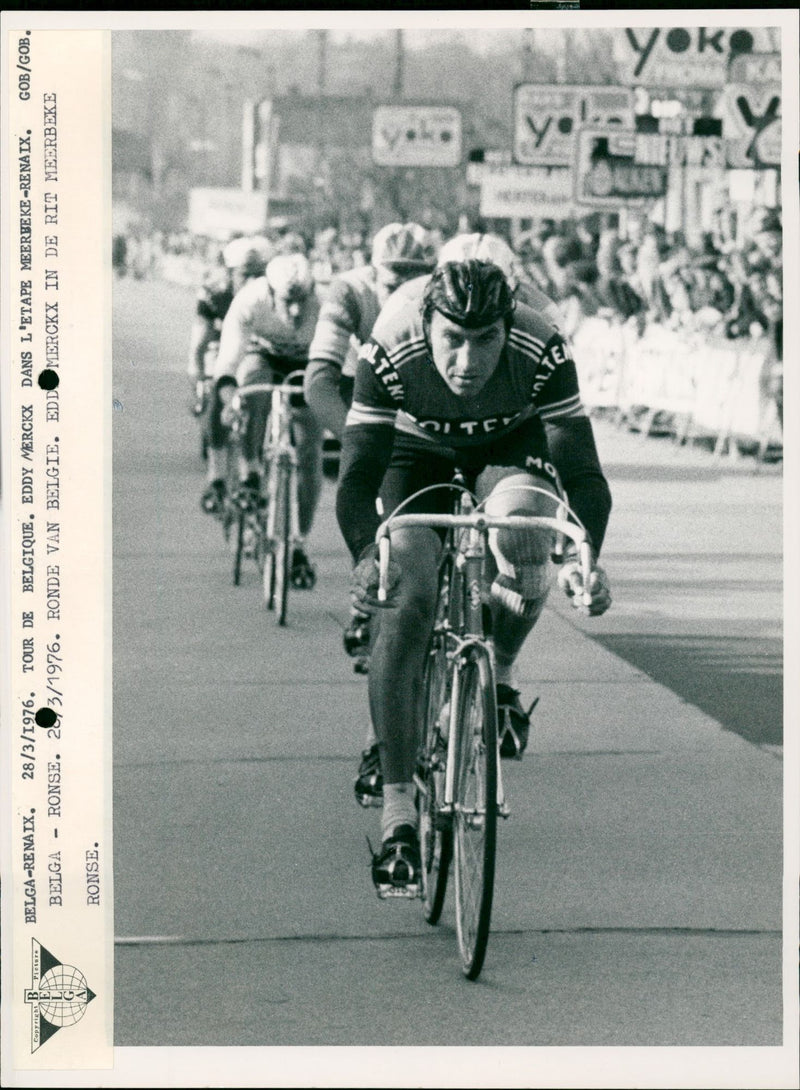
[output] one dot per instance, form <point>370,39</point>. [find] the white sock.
<point>398,807</point>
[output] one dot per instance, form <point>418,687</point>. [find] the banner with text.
<point>525,192</point>
<point>58,977</point>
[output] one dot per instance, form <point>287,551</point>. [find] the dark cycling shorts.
<point>416,464</point>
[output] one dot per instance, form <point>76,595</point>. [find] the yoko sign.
<point>416,136</point>
<point>547,118</point>
<point>686,56</point>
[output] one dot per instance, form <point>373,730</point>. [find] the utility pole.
<point>322,67</point>
<point>399,63</point>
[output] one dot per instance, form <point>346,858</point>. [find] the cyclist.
<point>399,251</point>
<point>265,335</point>
<point>482,247</point>
<point>242,258</point>
<point>473,380</point>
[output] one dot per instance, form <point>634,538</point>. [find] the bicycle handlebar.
<point>287,385</point>
<point>479,520</point>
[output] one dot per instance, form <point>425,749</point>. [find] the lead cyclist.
<point>468,378</point>
<point>480,247</point>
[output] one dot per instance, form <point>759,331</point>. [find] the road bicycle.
<point>272,521</point>
<point>459,786</point>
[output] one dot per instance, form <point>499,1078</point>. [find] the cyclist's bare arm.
<point>338,323</point>
<point>234,338</point>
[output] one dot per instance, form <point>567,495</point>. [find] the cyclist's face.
<point>466,358</point>
<point>293,306</point>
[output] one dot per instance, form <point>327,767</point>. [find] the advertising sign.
<point>755,68</point>
<point>416,136</point>
<point>219,213</point>
<point>525,192</point>
<point>751,122</point>
<point>547,118</point>
<point>607,174</point>
<point>686,56</point>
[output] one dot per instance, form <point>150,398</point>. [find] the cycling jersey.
<point>215,296</point>
<point>254,324</point>
<point>349,311</point>
<point>398,388</point>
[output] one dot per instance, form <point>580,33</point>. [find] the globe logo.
<point>59,995</point>
<point>63,995</point>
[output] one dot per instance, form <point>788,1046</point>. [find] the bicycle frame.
<point>280,460</point>
<point>460,794</point>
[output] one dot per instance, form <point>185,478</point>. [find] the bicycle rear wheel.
<point>475,818</point>
<point>435,829</point>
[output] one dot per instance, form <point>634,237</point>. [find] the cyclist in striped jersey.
<point>468,379</point>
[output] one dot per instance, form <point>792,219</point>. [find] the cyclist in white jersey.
<point>265,335</point>
<point>242,259</point>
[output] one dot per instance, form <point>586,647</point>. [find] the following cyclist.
<point>266,334</point>
<point>242,259</point>
<point>399,251</point>
<point>469,380</point>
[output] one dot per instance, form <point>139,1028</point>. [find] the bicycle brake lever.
<point>586,570</point>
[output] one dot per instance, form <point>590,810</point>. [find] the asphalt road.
<point>639,886</point>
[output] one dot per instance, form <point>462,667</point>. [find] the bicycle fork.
<point>466,648</point>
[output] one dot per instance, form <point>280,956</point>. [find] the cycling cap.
<point>470,293</point>
<point>290,275</point>
<point>248,254</point>
<point>405,244</point>
<point>484,248</point>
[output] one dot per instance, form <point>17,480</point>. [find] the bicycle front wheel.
<point>475,818</point>
<point>238,547</point>
<point>276,569</point>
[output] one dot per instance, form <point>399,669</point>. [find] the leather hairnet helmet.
<point>290,275</point>
<point>470,293</point>
<point>248,255</point>
<point>404,245</point>
<point>487,247</point>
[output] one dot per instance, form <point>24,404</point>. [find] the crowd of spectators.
<point>718,286</point>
